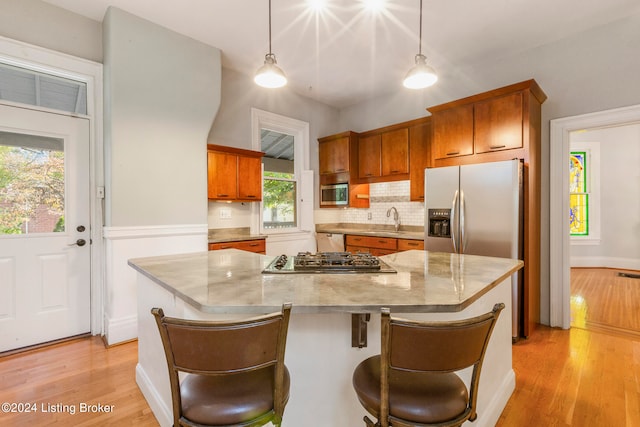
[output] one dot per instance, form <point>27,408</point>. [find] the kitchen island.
<point>229,283</point>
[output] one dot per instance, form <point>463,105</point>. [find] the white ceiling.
<point>346,54</point>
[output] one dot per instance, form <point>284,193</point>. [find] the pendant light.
<point>270,75</point>
<point>420,75</point>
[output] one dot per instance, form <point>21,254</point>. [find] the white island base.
<point>321,359</point>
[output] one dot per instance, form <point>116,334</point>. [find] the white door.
<point>44,227</point>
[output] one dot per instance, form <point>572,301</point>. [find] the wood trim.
<point>530,85</point>
<point>234,150</point>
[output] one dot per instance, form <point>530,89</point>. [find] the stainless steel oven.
<point>334,194</point>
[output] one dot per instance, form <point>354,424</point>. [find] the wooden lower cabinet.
<point>256,245</point>
<point>408,244</point>
<point>379,246</point>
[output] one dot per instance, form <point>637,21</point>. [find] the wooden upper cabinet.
<point>453,132</point>
<point>498,123</point>
<point>222,170</point>
<point>249,178</point>
<point>233,174</point>
<point>394,148</point>
<point>419,149</point>
<point>369,156</point>
<point>491,126</point>
<point>334,155</point>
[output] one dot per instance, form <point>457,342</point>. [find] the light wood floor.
<point>579,377</point>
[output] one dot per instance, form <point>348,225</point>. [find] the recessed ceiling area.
<point>342,52</point>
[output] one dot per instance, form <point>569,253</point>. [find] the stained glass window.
<point>579,194</point>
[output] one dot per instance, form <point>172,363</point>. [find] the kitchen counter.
<point>230,281</point>
<point>229,284</point>
<point>379,230</point>
<point>221,235</point>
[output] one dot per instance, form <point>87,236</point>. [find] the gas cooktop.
<point>328,262</point>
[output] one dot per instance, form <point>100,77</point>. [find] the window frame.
<point>261,119</point>
<point>592,182</point>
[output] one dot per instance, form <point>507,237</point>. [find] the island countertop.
<point>231,281</point>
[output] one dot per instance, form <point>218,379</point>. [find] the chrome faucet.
<point>396,217</point>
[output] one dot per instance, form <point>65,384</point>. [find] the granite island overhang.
<point>229,283</point>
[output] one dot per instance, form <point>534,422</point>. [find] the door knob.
<point>80,228</point>
<point>79,242</point>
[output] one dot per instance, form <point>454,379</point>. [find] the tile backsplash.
<point>382,196</point>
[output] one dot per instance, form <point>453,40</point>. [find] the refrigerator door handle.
<point>454,208</point>
<point>461,214</point>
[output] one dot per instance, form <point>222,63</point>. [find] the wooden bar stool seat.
<point>414,381</point>
<point>211,400</point>
<point>233,372</point>
<point>408,391</point>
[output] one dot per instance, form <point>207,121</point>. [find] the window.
<point>31,184</point>
<point>285,206</point>
<point>43,90</point>
<point>279,184</point>
<point>584,191</point>
<point>579,196</point>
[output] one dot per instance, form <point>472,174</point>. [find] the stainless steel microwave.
<point>334,194</point>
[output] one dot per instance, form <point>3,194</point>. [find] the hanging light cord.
<point>419,41</point>
<point>270,26</point>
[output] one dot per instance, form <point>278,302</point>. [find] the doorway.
<point>559,242</point>
<point>45,243</point>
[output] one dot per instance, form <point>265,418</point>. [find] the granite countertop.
<point>230,281</point>
<point>378,230</point>
<point>221,235</point>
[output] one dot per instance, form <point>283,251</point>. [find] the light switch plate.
<point>225,213</point>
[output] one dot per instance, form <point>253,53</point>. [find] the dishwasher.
<point>330,242</point>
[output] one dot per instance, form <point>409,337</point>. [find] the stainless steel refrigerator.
<point>477,209</point>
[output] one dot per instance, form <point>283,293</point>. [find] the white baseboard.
<point>492,412</point>
<point>606,262</point>
<point>163,414</point>
<point>120,329</point>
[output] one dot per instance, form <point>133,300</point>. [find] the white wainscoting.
<point>124,243</point>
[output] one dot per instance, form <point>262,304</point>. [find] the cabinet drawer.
<point>372,242</point>
<point>257,245</point>
<point>252,245</point>
<point>408,244</point>
<point>356,249</point>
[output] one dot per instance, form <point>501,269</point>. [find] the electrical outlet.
<point>225,213</point>
<point>369,216</point>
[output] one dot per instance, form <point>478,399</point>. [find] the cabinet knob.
<point>453,153</point>
<point>496,147</point>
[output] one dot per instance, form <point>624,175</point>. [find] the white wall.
<point>162,92</point>
<point>619,245</point>
<point>45,25</point>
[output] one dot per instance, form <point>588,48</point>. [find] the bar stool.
<point>413,382</point>
<point>235,369</point>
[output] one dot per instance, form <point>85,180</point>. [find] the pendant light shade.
<point>270,75</point>
<point>420,75</point>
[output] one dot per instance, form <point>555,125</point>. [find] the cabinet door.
<point>221,175</point>
<point>249,178</point>
<point>498,123</point>
<point>334,156</point>
<point>419,137</point>
<point>369,156</point>
<point>395,152</point>
<point>452,132</point>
